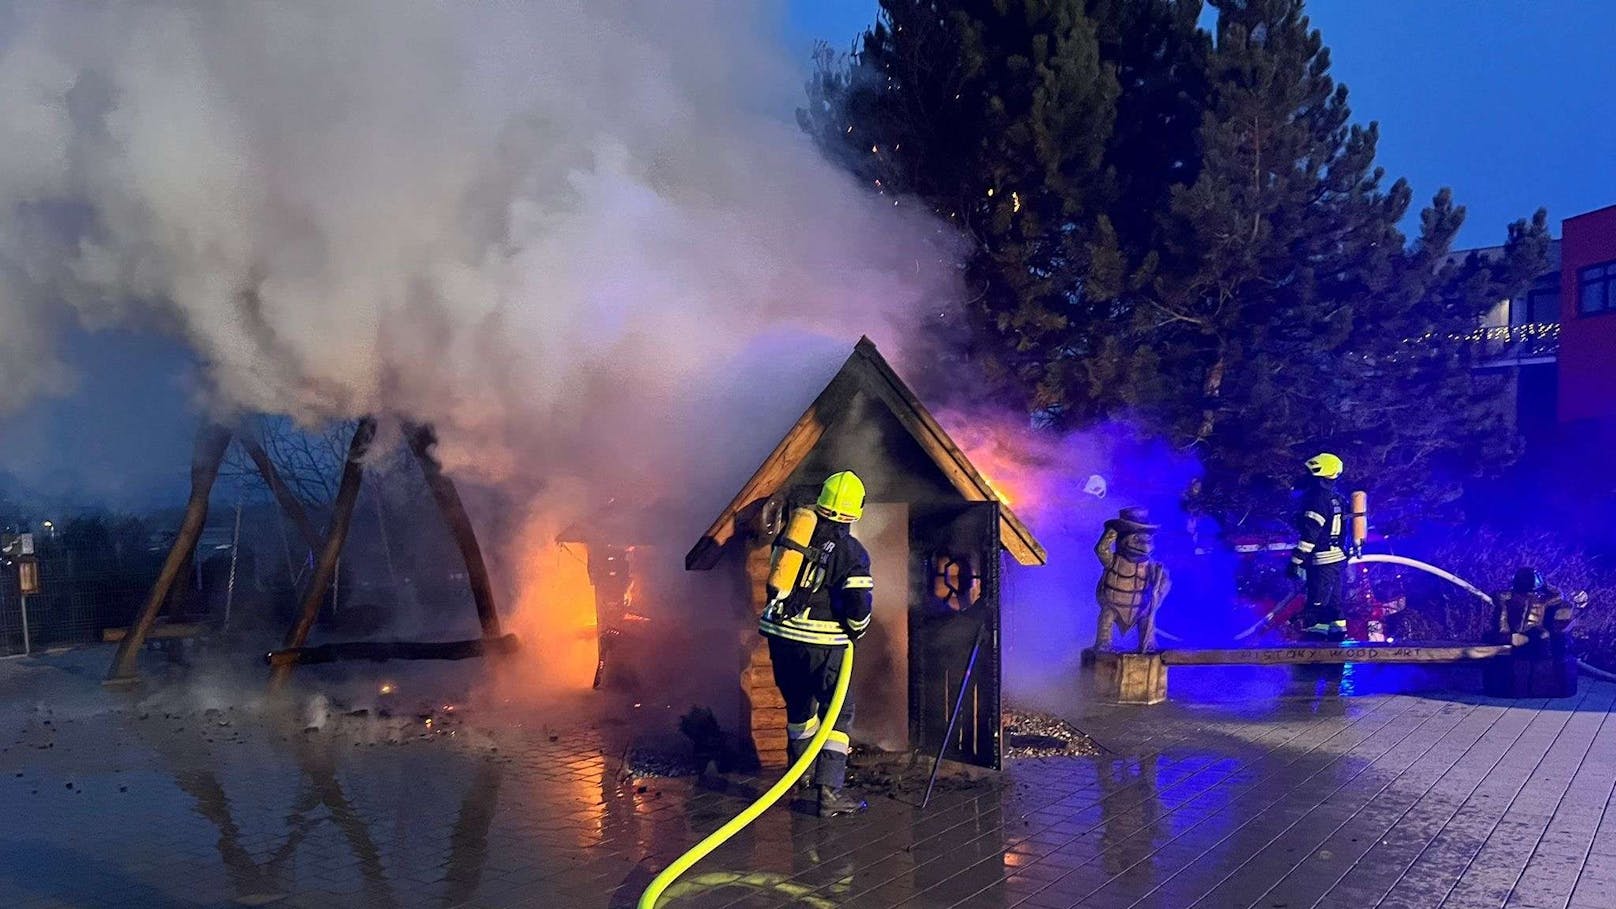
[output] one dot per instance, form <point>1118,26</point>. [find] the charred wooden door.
<point>954,605</point>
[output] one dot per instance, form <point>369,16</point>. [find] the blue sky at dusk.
<point>1512,104</point>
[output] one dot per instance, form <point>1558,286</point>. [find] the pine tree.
<point>996,116</point>
<point>1158,52</point>
<point>1417,416</point>
<point>1285,229</point>
<point>1290,315</point>
<point>1186,231</point>
<point>1159,55</point>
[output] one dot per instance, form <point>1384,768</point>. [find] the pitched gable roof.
<point>868,372</point>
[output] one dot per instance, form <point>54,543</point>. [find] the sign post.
<point>22,548</point>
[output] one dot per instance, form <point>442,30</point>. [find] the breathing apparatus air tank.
<point>786,571</point>
<point>1360,519</point>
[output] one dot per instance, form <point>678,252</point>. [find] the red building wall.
<point>1587,358</point>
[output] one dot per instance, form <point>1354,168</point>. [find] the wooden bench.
<point>1141,678</point>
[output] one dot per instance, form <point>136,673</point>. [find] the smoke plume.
<point>1065,487</point>
<point>583,239</point>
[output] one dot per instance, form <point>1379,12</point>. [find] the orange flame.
<point>999,451</point>
<point>555,614</point>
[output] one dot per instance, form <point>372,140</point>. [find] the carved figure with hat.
<point>1132,583</point>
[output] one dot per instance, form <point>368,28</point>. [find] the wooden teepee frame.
<point>212,441</point>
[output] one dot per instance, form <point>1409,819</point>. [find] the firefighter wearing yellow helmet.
<point>820,597</point>
<point>1320,556</point>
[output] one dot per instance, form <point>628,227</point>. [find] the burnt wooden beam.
<point>379,651</point>
<point>290,504</point>
<point>949,458</point>
<point>211,442</point>
<point>1336,653</point>
<point>422,439</point>
<point>164,631</point>
<point>775,469</point>
<point>336,534</point>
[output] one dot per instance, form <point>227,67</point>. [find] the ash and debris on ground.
<point>903,776</point>
<point>641,762</point>
<point>1028,734</point>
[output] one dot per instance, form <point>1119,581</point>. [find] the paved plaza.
<point>1249,788</point>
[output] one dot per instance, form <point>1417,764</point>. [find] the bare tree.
<point>308,461</point>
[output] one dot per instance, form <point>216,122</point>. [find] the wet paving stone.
<point>1297,797</point>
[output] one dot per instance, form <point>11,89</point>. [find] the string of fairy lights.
<point>1545,333</point>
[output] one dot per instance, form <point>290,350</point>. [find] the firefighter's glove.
<point>1580,599</point>
<point>1296,572</point>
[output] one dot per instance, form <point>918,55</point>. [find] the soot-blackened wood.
<point>336,534</point>
<point>211,442</point>
<point>393,650</point>
<point>422,439</point>
<point>283,494</point>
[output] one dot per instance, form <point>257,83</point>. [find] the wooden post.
<point>211,442</point>
<point>336,535</point>
<point>1130,678</point>
<point>289,503</point>
<point>421,439</point>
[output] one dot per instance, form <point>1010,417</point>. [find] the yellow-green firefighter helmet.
<point>842,497</point>
<point>1325,465</point>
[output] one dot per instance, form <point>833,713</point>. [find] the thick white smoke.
<point>582,238</point>
<point>536,225</point>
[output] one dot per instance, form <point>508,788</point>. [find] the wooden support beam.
<point>379,651</point>
<point>211,442</point>
<point>283,494</point>
<point>422,439</point>
<point>1334,653</point>
<point>161,631</point>
<point>336,535</point>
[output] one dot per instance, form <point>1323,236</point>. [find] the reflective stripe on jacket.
<point>1321,526</point>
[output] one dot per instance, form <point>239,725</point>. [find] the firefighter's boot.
<point>794,750</point>
<point>836,803</point>
<point>1334,632</point>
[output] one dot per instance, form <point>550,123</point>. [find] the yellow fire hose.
<point>648,899</point>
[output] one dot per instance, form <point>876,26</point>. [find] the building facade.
<point>1556,344</point>
<point>1587,355</point>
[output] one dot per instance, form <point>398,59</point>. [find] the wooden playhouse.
<point>935,529</point>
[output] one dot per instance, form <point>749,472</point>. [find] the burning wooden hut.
<point>935,529</point>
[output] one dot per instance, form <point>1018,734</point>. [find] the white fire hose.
<point>1430,569</point>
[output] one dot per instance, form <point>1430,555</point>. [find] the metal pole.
<point>953,718</point>
<point>27,648</point>
<point>235,549</point>
<point>387,546</point>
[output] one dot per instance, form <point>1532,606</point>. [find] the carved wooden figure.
<point>1132,585</point>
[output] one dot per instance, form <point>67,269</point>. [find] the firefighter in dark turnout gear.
<point>808,622</point>
<point>1320,556</point>
<point>1534,615</point>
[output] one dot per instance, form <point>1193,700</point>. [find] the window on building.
<point>1595,293</point>
<point>1541,305</point>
